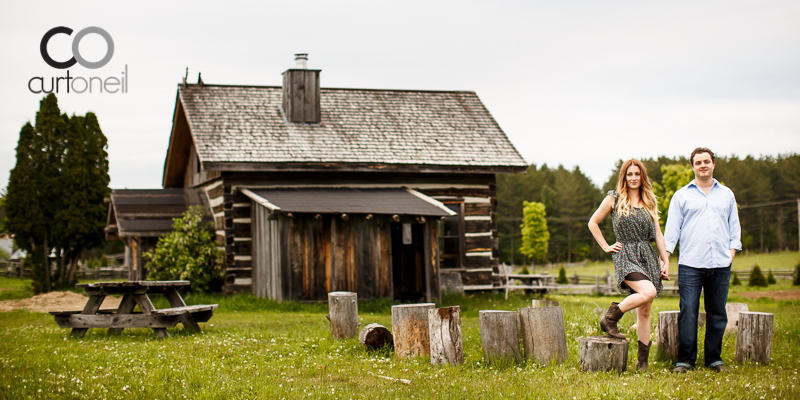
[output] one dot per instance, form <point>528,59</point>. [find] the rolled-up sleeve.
<point>672,231</point>
<point>734,226</point>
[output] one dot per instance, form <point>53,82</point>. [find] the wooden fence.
<point>15,269</point>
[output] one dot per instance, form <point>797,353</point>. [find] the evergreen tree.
<point>757,277</point>
<point>562,275</point>
<point>771,278</point>
<point>534,231</point>
<point>735,281</point>
<point>2,212</point>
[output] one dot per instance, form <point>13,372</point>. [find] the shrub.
<point>525,270</point>
<point>756,277</point>
<point>189,252</point>
<point>735,281</point>
<point>771,278</point>
<point>796,281</point>
<point>562,275</point>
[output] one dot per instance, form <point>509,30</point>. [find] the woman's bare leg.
<point>645,293</point>
<point>643,324</point>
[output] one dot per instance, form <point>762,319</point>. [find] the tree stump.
<point>667,341</point>
<point>543,335</point>
<point>500,335</point>
<point>444,327</point>
<point>701,320</point>
<point>543,303</point>
<point>410,330</point>
<point>375,336</point>
<point>602,353</point>
<point>733,310</point>
<point>754,338</point>
<point>343,314</point>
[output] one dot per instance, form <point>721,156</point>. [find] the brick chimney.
<point>301,92</point>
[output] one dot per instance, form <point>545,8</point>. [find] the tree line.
<point>764,188</point>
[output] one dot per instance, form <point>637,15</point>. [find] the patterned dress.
<point>635,232</point>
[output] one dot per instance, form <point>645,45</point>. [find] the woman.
<point>637,268</point>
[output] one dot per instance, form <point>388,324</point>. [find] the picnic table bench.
<point>134,293</point>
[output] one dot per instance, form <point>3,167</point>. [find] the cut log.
<point>543,335</point>
<point>343,314</point>
<point>602,353</point>
<point>733,310</point>
<point>701,320</point>
<point>667,341</point>
<point>410,330</point>
<point>754,338</point>
<point>500,336</point>
<point>543,303</point>
<point>375,336</point>
<point>444,328</point>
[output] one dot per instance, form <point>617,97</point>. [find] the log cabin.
<point>314,190</point>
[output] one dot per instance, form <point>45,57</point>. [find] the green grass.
<point>256,348</point>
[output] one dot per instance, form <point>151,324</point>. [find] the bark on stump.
<point>543,335</point>
<point>500,336</point>
<point>444,327</point>
<point>667,341</point>
<point>543,303</point>
<point>754,338</point>
<point>375,336</point>
<point>410,330</point>
<point>343,314</point>
<point>733,310</point>
<point>602,353</point>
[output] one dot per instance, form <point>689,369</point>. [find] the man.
<point>704,219</point>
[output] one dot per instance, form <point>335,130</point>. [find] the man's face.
<point>703,166</point>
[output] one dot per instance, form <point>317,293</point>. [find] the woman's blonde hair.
<point>645,191</point>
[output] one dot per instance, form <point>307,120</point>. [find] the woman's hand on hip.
<point>616,247</point>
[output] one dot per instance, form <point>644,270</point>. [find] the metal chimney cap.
<point>301,59</point>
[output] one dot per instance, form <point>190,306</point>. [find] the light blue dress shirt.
<point>707,226</point>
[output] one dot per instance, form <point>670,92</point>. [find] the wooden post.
<point>410,330</point>
<point>543,303</point>
<point>343,314</point>
<point>602,353</point>
<point>733,310</point>
<point>754,338</point>
<point>444,327</point>
<point>375,336</point>
<point>667,341</point>
<point>543,335</point>
<point>500,335</point>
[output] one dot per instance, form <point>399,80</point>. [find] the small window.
<point>197,163</point>
<point>451,234</point>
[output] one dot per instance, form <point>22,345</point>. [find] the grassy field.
<point>256,348</point>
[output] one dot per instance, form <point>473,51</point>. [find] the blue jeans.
<point>714,282</point>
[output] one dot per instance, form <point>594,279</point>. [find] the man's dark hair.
<point>702,150</point>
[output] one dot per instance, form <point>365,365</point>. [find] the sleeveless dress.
<point>635,232</point>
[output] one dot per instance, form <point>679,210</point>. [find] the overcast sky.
<point>577,83</point>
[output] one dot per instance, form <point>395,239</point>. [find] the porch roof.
<point>400,201</point>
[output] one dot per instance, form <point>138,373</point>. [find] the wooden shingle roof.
<point>246,124</point>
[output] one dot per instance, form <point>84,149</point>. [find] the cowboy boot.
<point>644,352</point>
<point>609,321</point>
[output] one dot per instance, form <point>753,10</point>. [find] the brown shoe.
<point>680,370</point>
<point>644,353</point>
<point>608,323</point>
<point>719,368</point>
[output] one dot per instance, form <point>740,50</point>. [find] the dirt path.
<point>54,301</point>
<point>775,294</point>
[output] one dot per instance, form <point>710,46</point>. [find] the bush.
<point>562,275</point>
<point>771,278</point>
<point>735,281</point>
<point>756,277</point>
<point>525,271</point>
<point>189,252</point>
<point>796,281</point>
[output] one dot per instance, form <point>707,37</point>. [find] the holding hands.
<point>664,269</point>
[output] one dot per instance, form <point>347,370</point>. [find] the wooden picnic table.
<point>134,293</point>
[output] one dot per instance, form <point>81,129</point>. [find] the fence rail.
<point>15,269</point>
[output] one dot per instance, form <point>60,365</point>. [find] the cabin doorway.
<point>408,269</point>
